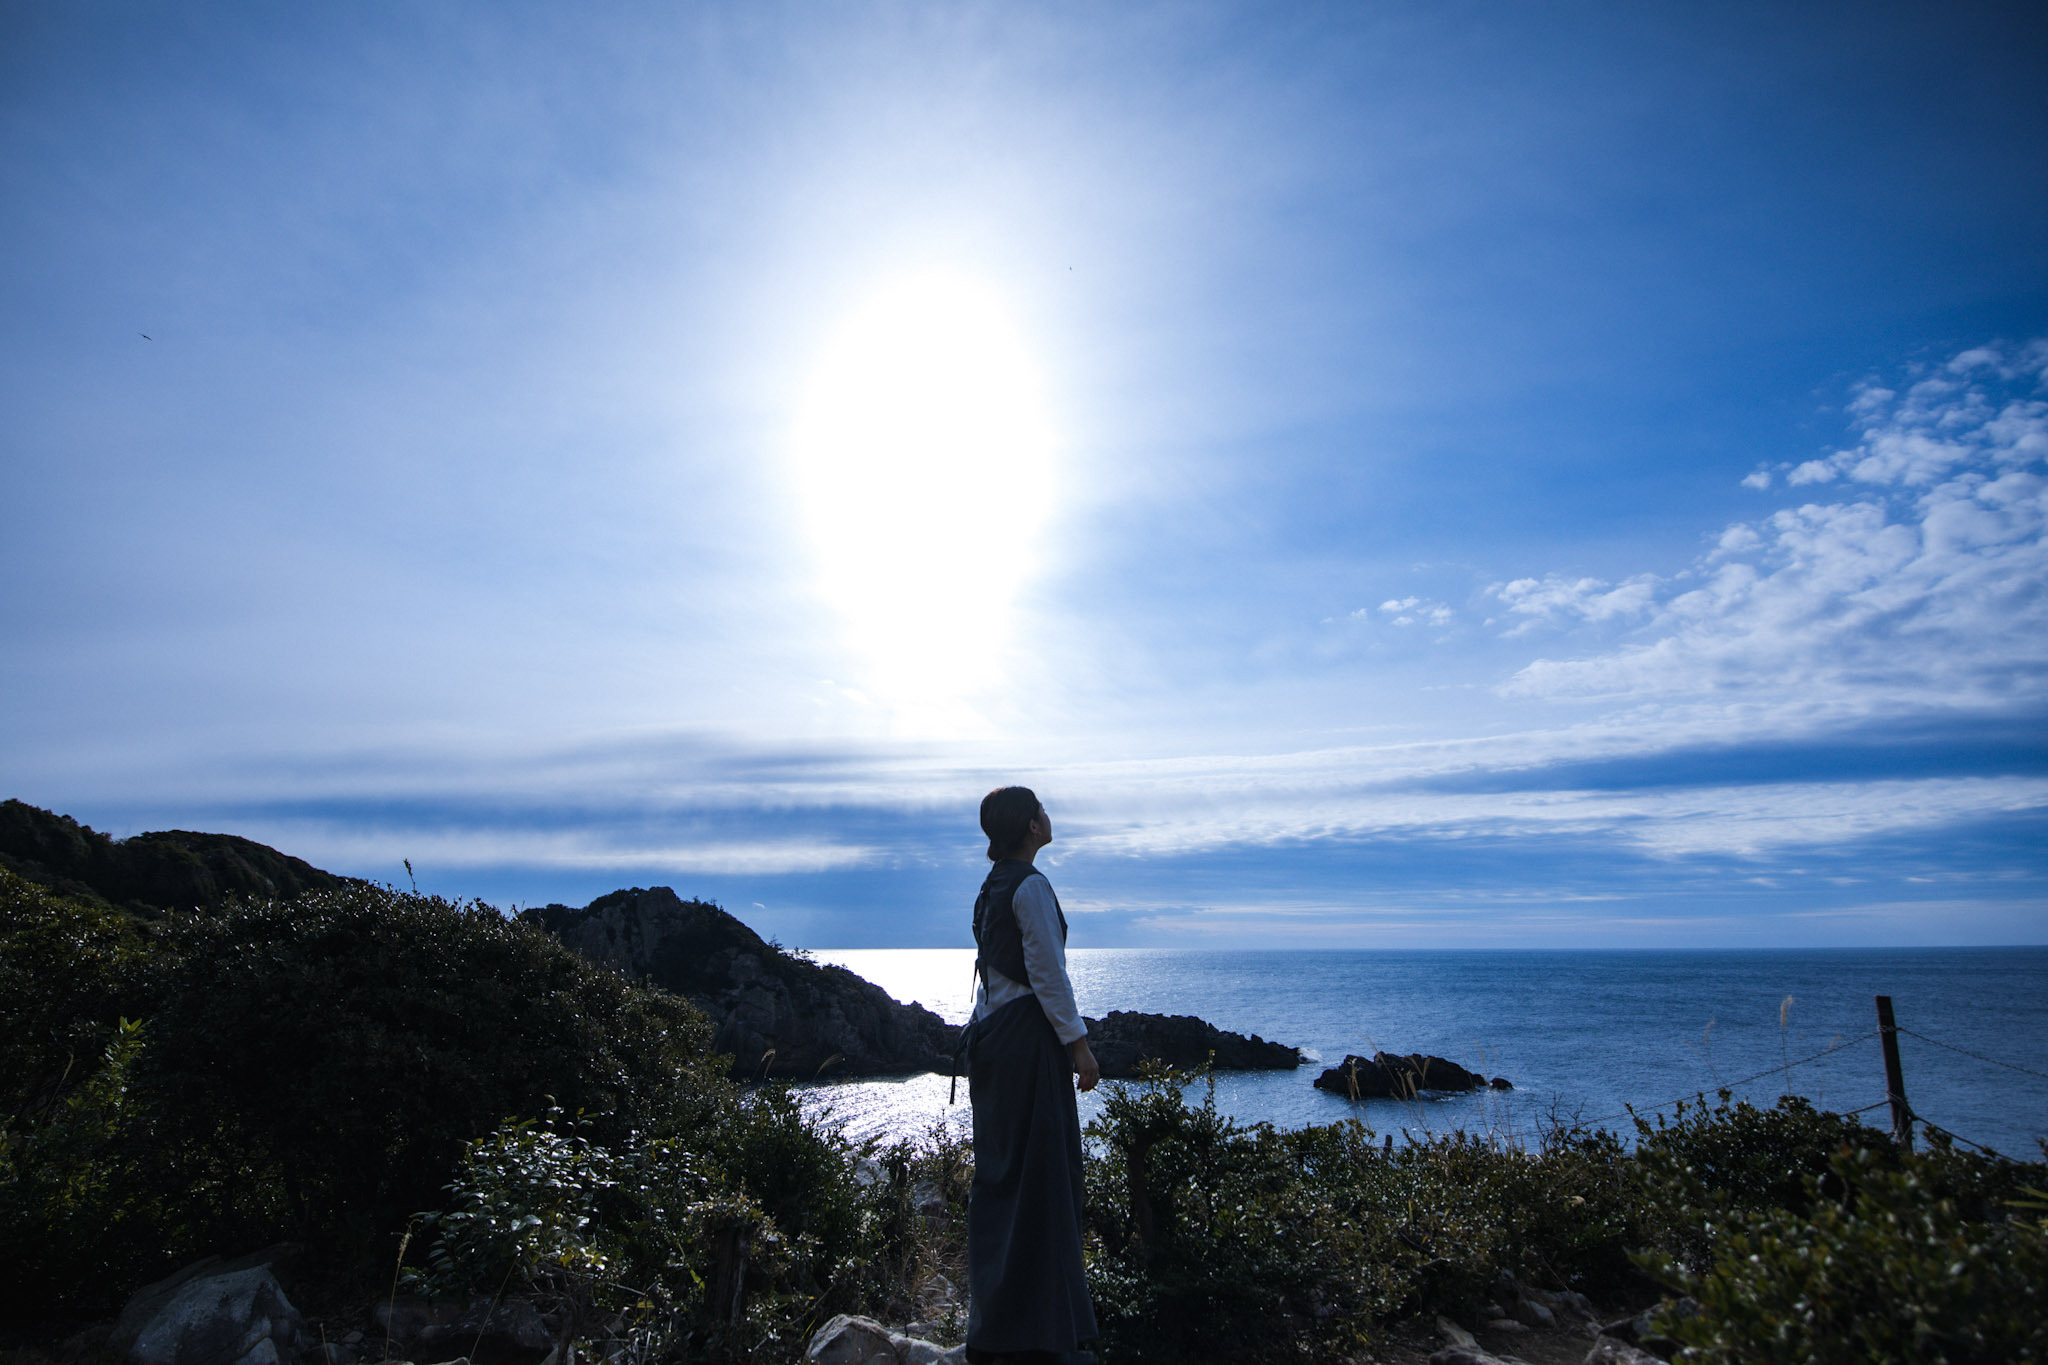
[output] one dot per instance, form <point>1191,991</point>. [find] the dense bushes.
<point>67,975</point>
<point>1804,1235</point>
<point>320,1064</point>
<point>734,1246</point>
<point>71,1194</point>
<point>1216,1241</point>
<point>309,1069</point>
<point>1892,1269</point>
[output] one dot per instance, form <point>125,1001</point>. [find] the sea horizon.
<point>1598,1031</point>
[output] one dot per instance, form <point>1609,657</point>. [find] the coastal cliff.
<point>775,1012</point>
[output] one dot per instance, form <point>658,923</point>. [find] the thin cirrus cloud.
<point>1918,583</point>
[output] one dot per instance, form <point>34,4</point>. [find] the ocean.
<point>1583,1035</point>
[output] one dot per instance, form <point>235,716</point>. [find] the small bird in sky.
<point>145,336</point>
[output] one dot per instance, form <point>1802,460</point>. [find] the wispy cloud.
<point>344,845</point>
<point>1551,600</point>
<point>1407,611</point>
<point>1925,584</point>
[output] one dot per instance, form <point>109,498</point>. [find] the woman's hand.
<point>1086,1072</point>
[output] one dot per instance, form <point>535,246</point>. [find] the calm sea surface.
<point>1581,1034</point>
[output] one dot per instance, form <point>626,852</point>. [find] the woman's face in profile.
<point>1041,825</point>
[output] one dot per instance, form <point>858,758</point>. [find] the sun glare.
<point>924,464</point>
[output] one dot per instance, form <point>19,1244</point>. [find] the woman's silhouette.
<point>1027,1052</point>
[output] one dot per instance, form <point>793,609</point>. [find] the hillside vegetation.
<point>148,873</point>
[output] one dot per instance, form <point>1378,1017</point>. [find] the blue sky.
<point>1406,474</point>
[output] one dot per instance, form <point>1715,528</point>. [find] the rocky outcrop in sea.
<point>1393,1076</point>
<point>1123,1039</point>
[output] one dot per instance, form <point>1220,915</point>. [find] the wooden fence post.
<point>1894,1079</point>
<point>1144,1223</point>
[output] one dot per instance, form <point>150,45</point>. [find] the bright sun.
<point>924,463</point>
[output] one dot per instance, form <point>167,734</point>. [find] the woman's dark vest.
<point>998,942</point>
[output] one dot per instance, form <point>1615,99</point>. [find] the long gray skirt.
<point>1026,1287</point>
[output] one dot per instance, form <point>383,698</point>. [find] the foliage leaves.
<point>1892,1271</point>
<point>311,1069</point>
<point>730,1243</point>
<point>1805,1235</point>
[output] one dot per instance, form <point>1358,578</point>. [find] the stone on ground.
<point>238,1318</point>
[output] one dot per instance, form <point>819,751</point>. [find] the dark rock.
<point>776,1013</point>
<point>401,1318</point>
<point>240,1317</point>
<point>1462,1354</point>
<point>1391,1076</point>
<point>149,1302</point>
<point>1123,1039</point>
<point>149,873</point>
<point>1539,1307</point>
<point>849,1340</point>
<point>509,1332</point>
<point>1627,1331</point>
<point>1501,1083</point>
<point>1671,1311</point>
<point>1607,1351</point>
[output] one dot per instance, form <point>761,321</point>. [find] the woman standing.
<point>1027,1292</point>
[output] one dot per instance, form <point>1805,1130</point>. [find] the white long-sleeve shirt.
<point>1045,962</point>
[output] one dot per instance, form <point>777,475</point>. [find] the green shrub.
<point>1762,1158</point>
<point>314,1069</point>
<point>1894,1271</point>
<point>1213,1241</point>
<point>71,1196</point>
<point>1207,1243</point>
<point>1561,1217</point>
<point>731,1243</point>
<point>319,1065</point>
<point>592,1231</point>
<point>67,977</point>
<point>73,1200</point>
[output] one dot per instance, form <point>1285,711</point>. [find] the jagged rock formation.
<point>777,1014</point>
<point>1124,1039</point>
<point>149,873</point>
<point>1391,1076</point>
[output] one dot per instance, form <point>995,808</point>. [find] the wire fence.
<point>1635,1112</point>
<point>1978,1056</point>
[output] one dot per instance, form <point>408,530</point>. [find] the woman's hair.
<point>1006,816</point>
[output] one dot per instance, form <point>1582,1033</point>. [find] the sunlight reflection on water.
<point>1581,1034</point>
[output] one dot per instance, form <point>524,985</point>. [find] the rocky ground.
<point>1446,1343</point>
<point>237,1312</point>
